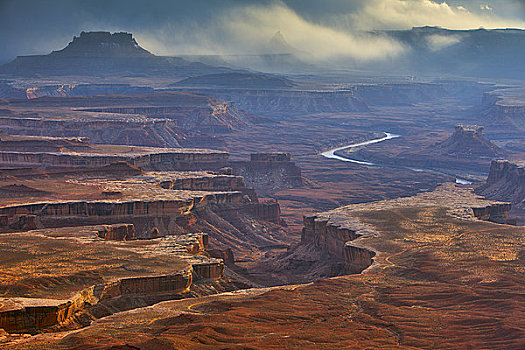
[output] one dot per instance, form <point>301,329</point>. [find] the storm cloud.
<point>322,29</point>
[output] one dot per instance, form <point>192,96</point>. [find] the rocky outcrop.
<point>173,283</point>
<point>208,270</point>
<point>495,212</point>
<point>214,118</point>
<point>206,183</point>
<point>269,172</point>
<point>506,181</point>
<point>117,232</point>
<point>503,112</point>
<point>18,222</point>
<point>468,141</point>
<point>335,241</point>
<point>144,214</point>
<point>268,211</point>
<point>31,319</point>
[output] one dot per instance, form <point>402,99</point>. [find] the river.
<point>388,136</point>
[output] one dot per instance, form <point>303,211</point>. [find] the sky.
<point>323,28</point>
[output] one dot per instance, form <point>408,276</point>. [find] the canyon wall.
<point>506,182</point>
<point>144,214</point>
<point>291,101</point>
<point>213,118</point>
<point>129,131</point>
<point>160,159</point>
<point>503,112</point>
<point>268,172</point>
<point>335,241</point>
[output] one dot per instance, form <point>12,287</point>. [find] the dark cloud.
<point>39,26</point>
<point>36,26</point>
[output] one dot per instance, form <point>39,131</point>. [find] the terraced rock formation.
<point>123,115</point>
<point>97,233</point>
<point>52,291</point>
<point>440,278</point>
<point>266,172</point>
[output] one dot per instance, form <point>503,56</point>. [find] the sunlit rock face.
<point>506,181</point>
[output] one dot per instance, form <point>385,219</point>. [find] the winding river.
<point>388,136</point>
<point>331,153</point>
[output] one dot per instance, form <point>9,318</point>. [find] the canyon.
<point>163,202</point>
<point>395,303</point>
<point>100,232</point>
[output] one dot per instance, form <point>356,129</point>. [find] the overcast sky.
<point>170,27</point>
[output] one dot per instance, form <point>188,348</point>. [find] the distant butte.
<point>468,140</point>
<point>101,44</point>
<point>104,53</point>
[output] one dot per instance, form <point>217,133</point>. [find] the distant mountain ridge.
<point>428,52</point>
<point>495,53</point>
<point>244,80</point>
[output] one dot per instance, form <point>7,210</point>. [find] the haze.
<point>320,30</point>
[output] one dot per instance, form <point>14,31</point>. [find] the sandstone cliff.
<point>269,172</point>
<point>506,181</point>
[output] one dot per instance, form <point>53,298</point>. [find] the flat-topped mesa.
<point>105,54</point>
<point>103,44</point>
<point>145,158</point>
